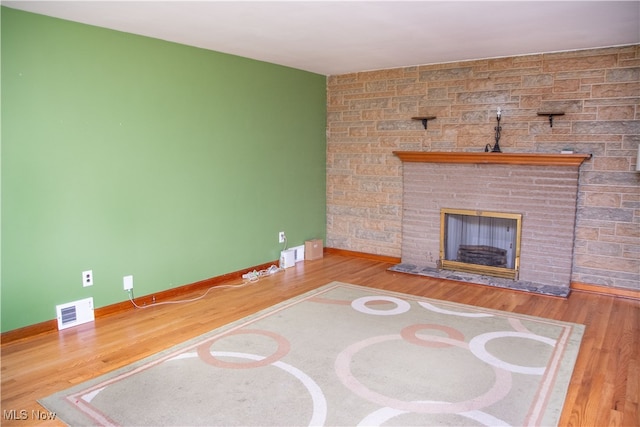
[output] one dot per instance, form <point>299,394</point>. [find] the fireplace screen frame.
<point>508,273</point>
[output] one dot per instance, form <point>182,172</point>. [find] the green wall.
<point>130,155</point>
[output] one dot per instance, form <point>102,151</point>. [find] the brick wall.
<point>369,116</point>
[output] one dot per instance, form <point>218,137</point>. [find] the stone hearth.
<point>498,282</point>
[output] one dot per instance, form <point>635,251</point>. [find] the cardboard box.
<point>313,249</point>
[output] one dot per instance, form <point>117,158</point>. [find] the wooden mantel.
<point>540,159</point>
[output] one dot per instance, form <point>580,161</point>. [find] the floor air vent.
<point>75,313</point>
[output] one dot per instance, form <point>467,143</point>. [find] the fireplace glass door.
<point>480,242</point>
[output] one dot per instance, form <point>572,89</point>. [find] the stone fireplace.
<point>539,189</point>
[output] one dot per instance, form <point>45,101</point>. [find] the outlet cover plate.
<point>87,278</point>
<point>127,282</point>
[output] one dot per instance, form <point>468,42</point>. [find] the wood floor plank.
<point>604,389</point>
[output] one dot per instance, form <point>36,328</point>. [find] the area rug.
<point>344,355</point>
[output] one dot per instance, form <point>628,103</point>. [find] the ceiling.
<point>338,37</point>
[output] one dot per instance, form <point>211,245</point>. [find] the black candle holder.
<point>496,146</point>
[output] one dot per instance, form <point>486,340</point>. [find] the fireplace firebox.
<point>480,242</point>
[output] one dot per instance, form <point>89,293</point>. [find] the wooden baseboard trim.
<point>202,285</point>
<point>605,290</point>
<point>29,331</point>
<point>353,254</point>
<point>49,326</point>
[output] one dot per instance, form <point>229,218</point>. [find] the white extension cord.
<point>251,277</point>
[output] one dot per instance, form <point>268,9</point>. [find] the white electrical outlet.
<point>127,282</point>
<point>87,278</point>
<point>281,237</point>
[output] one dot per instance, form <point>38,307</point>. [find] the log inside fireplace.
<point>482,255</point>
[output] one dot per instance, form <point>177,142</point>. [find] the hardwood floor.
<point>604,389</point>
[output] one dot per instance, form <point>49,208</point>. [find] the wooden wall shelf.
<point>540,159</point>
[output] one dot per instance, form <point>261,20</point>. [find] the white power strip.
<point>254,275</point>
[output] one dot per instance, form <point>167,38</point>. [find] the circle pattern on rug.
<point>360,305</point>
<point>204,350</point>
